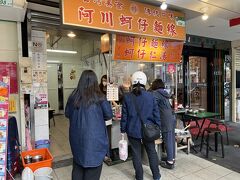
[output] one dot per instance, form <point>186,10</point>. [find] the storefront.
<point>194,76</point>
<point>139,38</point>
<point>158,54</point>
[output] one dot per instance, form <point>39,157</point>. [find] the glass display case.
<point>172,75</point>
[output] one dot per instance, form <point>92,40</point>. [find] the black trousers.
<point>136,146</point>
<point>109,132</point>
<point>81,173</point>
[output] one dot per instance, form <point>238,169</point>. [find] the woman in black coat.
<point>168,121</point>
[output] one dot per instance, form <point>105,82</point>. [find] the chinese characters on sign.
<point>124,16</point>
<point>147,49</point>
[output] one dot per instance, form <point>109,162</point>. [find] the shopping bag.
<point>123,149</point>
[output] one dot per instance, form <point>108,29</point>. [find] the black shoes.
<point>166,164</point>
<point>108,161</point>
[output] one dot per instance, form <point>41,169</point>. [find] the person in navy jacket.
<point>87,110</point>
<point>131,124</point>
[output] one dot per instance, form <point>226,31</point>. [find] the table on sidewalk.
<point>188,117</point>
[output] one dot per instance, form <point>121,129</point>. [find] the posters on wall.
<point>9,69</point>
<point>12,105</point>
<point>25,65</point>
<point>39,76</point>
<point>39,61</point>
<point>26,75</point>
<point>41,101</point>
<point>26,88</point>
<point>4,105</point>
<point>39,73</point>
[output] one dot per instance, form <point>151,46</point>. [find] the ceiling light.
<point>71,35</point>
<point>141,65</point>
<point>204,17</point>
<point>158,65</point>
<point>61,51</point>
<point>53,61</point>
<point>163,5</point>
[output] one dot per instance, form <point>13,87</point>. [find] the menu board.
<point>4,103</point>
<point>112,92</point>
<point>10,69</point>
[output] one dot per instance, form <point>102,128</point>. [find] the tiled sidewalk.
<point>188,167</point>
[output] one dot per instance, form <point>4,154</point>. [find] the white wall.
<point>53,86</point>
<point>9,53</point>
<point>86,58</point>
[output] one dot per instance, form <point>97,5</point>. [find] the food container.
<point>46,155</point>
<point>28,159</point>
<point>37,158</point>
<point>201,110</point>
<point>195,111</point>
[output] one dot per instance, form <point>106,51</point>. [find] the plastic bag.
<point>123,149</point>
<point>27,174</point>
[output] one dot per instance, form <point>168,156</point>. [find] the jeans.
<point>169,140</point>
<point>81,173</point>
<point>136,146</point>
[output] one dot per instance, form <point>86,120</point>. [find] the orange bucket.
<point>44,152</point>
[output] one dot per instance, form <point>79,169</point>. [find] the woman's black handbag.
<point>150,132</point>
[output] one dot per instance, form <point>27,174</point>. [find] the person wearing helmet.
<point>131,124</point>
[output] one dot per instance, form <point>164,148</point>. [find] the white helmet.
<point>139,77</point>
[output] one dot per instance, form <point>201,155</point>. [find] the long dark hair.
<point>101,85</point>
<point>87,91</point>
<point>137,89</point>
<point>157,84</point>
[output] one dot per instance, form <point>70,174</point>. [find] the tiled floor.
<point>59,137</point>
<point>188,167</point>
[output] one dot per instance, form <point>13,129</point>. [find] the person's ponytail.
<point>137,89</point>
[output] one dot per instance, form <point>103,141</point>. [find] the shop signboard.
<point>4,106</point>
<point>124,16</point>
<point>10,69</point>
<point>147,49</point>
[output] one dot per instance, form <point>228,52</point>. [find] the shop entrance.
<point>197,82</point>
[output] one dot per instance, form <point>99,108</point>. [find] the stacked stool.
<point>212,131</point>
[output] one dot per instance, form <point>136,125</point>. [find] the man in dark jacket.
<point>168,121</point>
